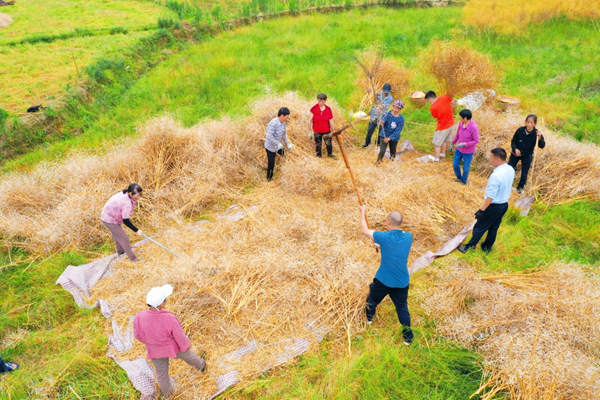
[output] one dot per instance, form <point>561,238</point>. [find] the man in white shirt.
<point>489,216</point>
<point>275,134</point>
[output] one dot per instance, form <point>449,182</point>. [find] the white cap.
<point>157,295</point>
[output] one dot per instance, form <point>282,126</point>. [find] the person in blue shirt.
<point>489,216</point>
<point>392,123</point>
<point>392,276</point>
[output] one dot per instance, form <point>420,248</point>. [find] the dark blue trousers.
<point>490,222</point>
<point>370,131</point>
<point>399,297</point>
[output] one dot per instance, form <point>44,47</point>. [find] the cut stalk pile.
<point>539,331</point>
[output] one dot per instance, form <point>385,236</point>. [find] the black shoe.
<point>332,156</point>
<point>520,190</point>
<point>464,249</point>
<point>486,250</point>
<point>366,145</point>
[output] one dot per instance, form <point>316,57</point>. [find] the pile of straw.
<point>374,71</point>
<point>564,170</point>
<point>295,267</point>
<point>538,331</point>
<point>458,69</point>
<point>184,171</point>
<point>296,264</point>
<point>297,257</point>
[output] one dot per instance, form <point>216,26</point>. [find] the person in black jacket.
<point>523,145</point>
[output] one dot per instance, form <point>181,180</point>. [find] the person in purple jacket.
<point>466,138</point>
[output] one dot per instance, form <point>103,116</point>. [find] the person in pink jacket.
<point>164,337</point>
<point>466,138</point>
<point>116,212</point>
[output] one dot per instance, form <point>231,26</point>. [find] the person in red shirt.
<point>441,109</point>
<point>321,123</point>
<point>164,337</point>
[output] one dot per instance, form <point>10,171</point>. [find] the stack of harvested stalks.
<point>5,20</point>
<point>538,331</point>
<point>458,69</point>
<point>564,170</point>
<point>375,71</point>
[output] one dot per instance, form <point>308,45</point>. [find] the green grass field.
<point>38,65</point>
<point>62,348</point>
<point>53,17</point>
<point>51,67</point>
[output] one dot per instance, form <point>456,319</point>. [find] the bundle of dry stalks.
<point>564,170</point>
<point>458,69</point>
<point>539,331</point>
<point>513,16</point>
<point>375,71</point>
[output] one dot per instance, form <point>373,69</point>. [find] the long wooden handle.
<point>345,156</point>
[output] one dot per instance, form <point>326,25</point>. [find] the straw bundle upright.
<point>458,69</point>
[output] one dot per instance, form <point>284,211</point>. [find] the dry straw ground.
<point>539,331</point>
<point>295,263</point>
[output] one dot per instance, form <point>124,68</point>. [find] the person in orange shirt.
<point>441,109</point>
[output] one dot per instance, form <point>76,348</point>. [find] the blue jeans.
<point>466,158</point>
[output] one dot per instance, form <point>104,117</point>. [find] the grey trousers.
<point>162,369</point>
<point>121,240</point>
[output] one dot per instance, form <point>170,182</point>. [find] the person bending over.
<point>118,210</point>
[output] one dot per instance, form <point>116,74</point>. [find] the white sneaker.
<point>436,159</point>
<point>442,155</point>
